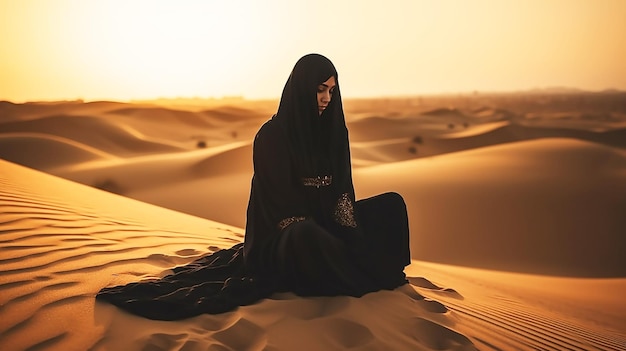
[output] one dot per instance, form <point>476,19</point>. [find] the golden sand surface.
<point>516,207</point>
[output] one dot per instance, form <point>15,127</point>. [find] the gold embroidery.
<point>288,221</point>
<point>318,181</point>
<point>344,212</point>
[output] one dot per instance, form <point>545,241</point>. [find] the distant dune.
<point>548,206</point>
<point>230,114</point>
<point>33,110</point>
<point>44,151</point>
<point>165,116</point>
<point>94,131</point>
<point>230,162</point>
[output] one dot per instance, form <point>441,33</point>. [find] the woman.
<point>304,233</point>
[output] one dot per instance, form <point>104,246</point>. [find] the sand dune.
<point>44,151</point>
<point>230,114</point>
<point>234,161</point>
<point>368,153</point>
<point>381,127</point>
<point>158,169</point>
<point>224,197</point>
<point>598,121</point>
<point>165,116</point>
<point>93,131</point>
<point>168,179</point>
<point>62,242</point>
<point>492,114</point>
<point>33,110</point>
<point>213,127</point>
<point>430,138</point>
<point>548,206</point>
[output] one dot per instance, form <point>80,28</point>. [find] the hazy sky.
<point>131,49</point>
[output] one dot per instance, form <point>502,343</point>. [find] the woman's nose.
<point>326,96</point>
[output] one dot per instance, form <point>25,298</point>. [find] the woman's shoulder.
<point>267,128</point>
<point>270,132</point>
<point>270,143</point>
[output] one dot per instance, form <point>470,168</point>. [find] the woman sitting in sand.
<point>304,233</point>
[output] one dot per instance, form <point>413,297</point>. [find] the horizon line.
<point>546,90</point>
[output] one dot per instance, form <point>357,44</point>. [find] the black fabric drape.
<point>212,284</point>
<point>305,259</point>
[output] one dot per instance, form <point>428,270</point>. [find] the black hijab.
<point>311,136</point>
<point>297,145</point>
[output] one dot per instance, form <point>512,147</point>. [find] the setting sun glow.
<point>137,49</point>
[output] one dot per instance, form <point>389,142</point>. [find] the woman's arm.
<point>283,197</point>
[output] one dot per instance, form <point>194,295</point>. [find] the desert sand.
<point>516,207</point>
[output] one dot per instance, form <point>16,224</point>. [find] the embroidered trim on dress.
<point>318,181</point>
<point>344,213</point>
<point>288,221</point>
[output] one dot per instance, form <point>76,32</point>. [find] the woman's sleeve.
<point>344,211</point>
<point>282,198</point>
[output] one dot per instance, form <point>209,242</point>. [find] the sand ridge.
<point>530,312</point>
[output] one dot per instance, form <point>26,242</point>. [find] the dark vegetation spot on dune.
<point>234,134</point>
<point>109,185</point>
<point>412,149</point>
<point>201,144</point>
<point>450,125</point>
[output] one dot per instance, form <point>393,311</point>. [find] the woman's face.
<point>325,93</point>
